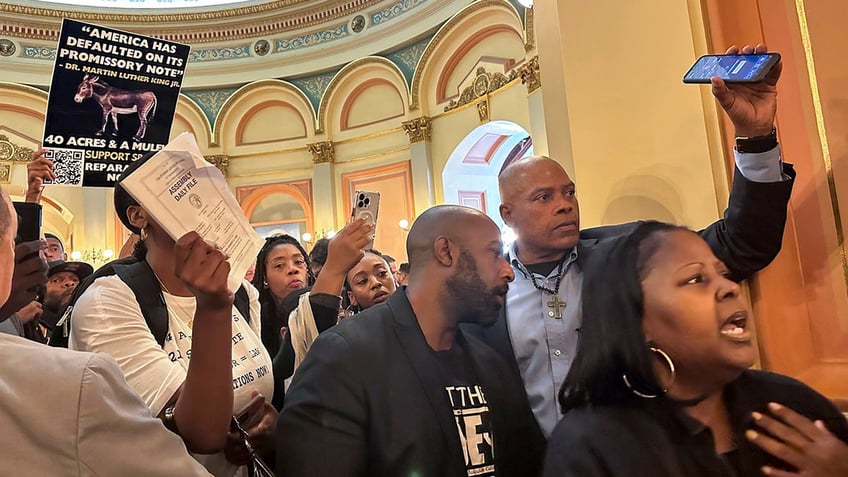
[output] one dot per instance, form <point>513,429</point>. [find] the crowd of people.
<point>622,350</point>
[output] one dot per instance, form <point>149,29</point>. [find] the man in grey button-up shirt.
<point>538,333</point>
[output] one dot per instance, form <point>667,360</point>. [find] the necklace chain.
<point>185,312</point>
<point>555,290</point>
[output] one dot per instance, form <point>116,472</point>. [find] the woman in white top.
<point>212,364</point>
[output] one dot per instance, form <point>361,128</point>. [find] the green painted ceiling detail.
<point>210,100</point>
<point>314,86</point>
<point>407,58</point>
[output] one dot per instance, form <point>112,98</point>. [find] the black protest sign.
<point>112,99</point>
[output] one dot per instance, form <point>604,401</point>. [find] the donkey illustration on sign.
<point>116,101</point>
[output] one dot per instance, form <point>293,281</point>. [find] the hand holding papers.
<point>185,193</point>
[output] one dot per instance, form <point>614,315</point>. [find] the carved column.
<point>419,131</point>
<point>221,161</point>
<point>530,74</point>
<point>323,180</point>
<point>531,77</point>
<point>322,152</point>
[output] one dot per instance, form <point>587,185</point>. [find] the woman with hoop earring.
<point>661,384</point>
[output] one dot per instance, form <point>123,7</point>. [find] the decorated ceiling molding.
<point>418,48</point>
<point>233,45</point>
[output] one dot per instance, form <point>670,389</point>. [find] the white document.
<point>183,192</point>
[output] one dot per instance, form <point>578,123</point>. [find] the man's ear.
<point>442,251</point>
<point>506,213</point>
<point>137,216</point>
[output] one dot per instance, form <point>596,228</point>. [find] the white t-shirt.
<point>107,319</point>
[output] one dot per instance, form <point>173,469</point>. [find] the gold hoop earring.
<point>670,365</point>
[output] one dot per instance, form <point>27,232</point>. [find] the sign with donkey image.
<point>112,99</point>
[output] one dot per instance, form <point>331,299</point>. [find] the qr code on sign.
<point>67,165</point>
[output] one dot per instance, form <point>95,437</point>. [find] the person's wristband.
<point>756,144</point>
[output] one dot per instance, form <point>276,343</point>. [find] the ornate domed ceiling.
<point>152,4</point>
<point>232,42</point>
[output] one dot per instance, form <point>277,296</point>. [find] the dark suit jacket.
<point>746,240</point>
<point>656,438</point>
<point>369,400</point>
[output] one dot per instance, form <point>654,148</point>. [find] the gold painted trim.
<point>347,70</point>
<point>385,132</point>
<point>252,24</point>
<point>271,173</point>
<point>6,172</point>
<point>146,17</point>
<point>822,132</point>
<point>529,29</point>
<point>440,36</point>
<point>22,88</point>
<point>272,153</point>
<point>507,87</point>
<point>12,152</point>
<point>375,155</point>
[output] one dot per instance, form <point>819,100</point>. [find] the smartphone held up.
<point>29,221</point>
<point>738,68</point>
<point>366,205</point>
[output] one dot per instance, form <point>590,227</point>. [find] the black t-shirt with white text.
<point>471,412</point>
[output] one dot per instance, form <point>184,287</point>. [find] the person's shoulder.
<point>363,326</point>
<point>108,291</point>
<point>109,285</point>
<point>252,292</point>
<point>604,232</point>
<point>592,423</point>
<point>46,362</point>
<point>778,387</point>
<point>773,382</point>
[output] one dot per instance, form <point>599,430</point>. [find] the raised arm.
<point>204,404</point>
<point>751,233</point>
<point>38,170</point>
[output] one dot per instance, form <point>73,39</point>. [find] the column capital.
<point>418,129</point>
<point>322,152</point>
<point>530,75</point>
<point>221,161</point>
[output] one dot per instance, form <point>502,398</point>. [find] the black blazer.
<point>747,239</point>
<point>369,400</point>
<point>653,437</point>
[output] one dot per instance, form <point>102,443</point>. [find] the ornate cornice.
<point>530,75</point>
<point>322,152</point>
<point>443,32</point>
<point>418,129</point>
<point>10,151</point>
<point>269,19</point>
<point>484,83</point>
<point>221,161</point>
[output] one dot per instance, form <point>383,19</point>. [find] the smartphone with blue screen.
<point>732,68</point>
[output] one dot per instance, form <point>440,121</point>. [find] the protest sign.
<point>112,99</point>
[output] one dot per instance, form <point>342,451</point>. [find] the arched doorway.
<point>470,176</point>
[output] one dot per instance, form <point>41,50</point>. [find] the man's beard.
<point>469,295</point>
<point>54,301</point>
